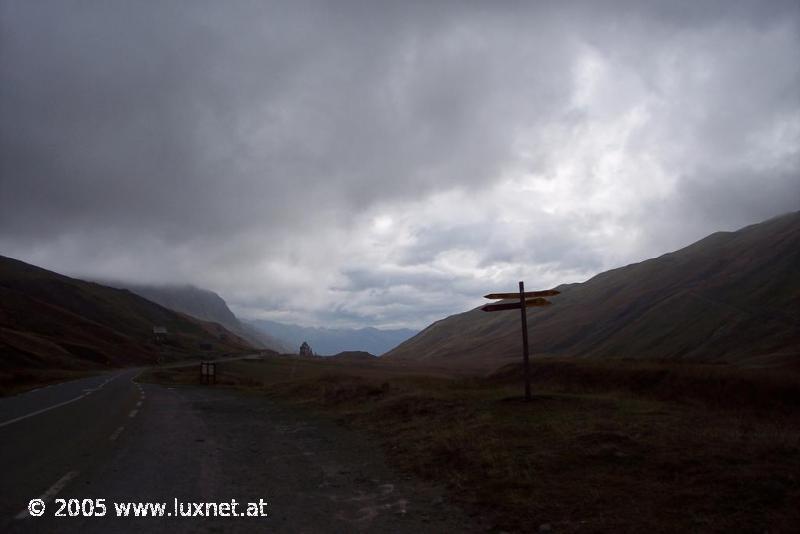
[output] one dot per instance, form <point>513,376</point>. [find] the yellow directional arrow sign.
<point>527,294</point>
<point>523,300</point>
<point>515,305</point>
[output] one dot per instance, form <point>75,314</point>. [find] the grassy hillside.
<point>207,306</point>
<point>52,322</point>
<point>731,297</point>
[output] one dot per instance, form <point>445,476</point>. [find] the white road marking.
<point>133,413</point>
<point>51,492</point>
<point>54,406</point>
<point>138,404</point>
<point>117,432</point>
<point>37,412</point>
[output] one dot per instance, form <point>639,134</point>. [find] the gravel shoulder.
<point>201,444</point>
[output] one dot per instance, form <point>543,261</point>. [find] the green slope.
<point>731,297</point>
<point>48,320</point>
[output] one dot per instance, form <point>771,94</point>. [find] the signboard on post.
<point>528,294</point>
<point>516,305</point>
<point>524,301</point>
<point>208,372</point>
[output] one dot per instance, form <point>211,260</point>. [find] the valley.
<point>263,267</point>
<point>666,396</point>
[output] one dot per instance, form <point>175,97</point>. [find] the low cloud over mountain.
<point>358,164</point>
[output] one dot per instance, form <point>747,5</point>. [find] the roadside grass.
<point>602,447</point>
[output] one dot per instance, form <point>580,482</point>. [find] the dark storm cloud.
<point>186,118</point>
<point>253,146</point>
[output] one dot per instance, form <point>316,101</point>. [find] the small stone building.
<point>305,349</point>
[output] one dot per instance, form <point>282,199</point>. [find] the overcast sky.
<point>387,163</point>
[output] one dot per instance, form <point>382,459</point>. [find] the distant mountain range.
<point>206,305</point>
<point>731,297</point>
<point>51,321</point>
<point>329,341</point>
<point>284,338</point>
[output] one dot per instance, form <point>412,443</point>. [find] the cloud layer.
<point>353,163</point>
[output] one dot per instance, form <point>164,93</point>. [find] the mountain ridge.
<point>330,341</point>
<point>203,304</point>
<point>49,320</point>
<point>729,297</point>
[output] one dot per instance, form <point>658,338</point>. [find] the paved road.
<point>109,437</point>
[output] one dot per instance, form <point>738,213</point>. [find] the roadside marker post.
<point>523,306</point>
<point>526,300</point>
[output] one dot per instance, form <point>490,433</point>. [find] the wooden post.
<point>525,356</point>
<point>532,298</point>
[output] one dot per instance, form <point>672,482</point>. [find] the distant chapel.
<point>305,349</point>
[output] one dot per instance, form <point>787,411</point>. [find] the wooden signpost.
<point>526,300</point>
<point>208,372</point>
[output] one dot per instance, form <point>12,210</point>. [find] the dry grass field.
<point>603,447</point>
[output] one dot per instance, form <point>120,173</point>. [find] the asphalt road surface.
<point>110,438</point>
